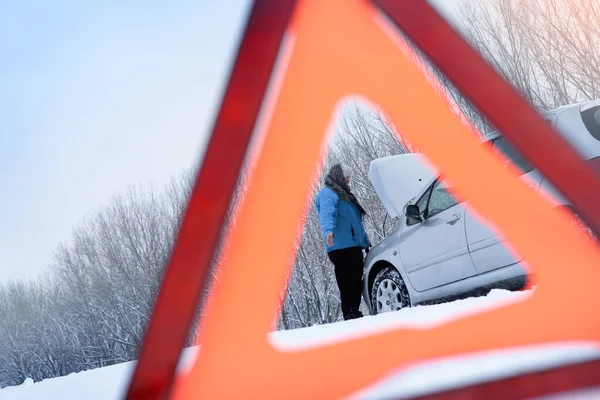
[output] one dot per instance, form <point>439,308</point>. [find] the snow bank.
<point>443,374</point>
<point>97,384</point>
<point>420,317</point>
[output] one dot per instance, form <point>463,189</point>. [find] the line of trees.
<point>92,306</point>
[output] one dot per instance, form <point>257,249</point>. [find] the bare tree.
<point>548,49</point>
<point>92,308</point>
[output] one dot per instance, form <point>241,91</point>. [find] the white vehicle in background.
<point>440,249</point>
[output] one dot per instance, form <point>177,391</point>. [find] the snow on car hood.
<point>397,179</point>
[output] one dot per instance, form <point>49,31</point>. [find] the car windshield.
<point>502,145</point>
<point>591,119</point>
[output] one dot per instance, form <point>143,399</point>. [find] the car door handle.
<point>455,218</point>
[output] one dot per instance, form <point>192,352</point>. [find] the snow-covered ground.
<point>111,382</point>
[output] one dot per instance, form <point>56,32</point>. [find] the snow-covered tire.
<point>579,223</point>
<point>583,227</point>
<point>389,292</point>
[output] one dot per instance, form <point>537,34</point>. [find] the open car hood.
<point>397,179</point>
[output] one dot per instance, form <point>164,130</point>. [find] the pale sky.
<point>95,96</point>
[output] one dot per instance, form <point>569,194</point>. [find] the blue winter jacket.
<point>343,219</point>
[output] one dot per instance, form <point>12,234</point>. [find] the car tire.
<point>389,292</point>
<point>579,223</point>
<point>583,227</point>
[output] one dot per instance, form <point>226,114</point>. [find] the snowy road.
<point>110,382</point>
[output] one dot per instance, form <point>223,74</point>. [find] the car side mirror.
<point>413,212</point>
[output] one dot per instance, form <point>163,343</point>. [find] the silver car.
<point>441,249</point>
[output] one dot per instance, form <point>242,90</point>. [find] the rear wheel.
<point>584,227</point>
<point>579,223</point>
<point>389,292</point>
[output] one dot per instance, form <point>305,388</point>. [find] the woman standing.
<point>340,217</point>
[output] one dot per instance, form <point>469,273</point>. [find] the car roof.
<point>545,114</point>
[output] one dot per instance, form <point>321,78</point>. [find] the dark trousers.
<point>348,274</point>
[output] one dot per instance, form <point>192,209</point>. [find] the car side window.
<point>441,199</point>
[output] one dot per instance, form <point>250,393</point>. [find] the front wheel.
<point>389,292</point>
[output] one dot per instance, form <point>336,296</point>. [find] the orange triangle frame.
<point>341,48</point>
